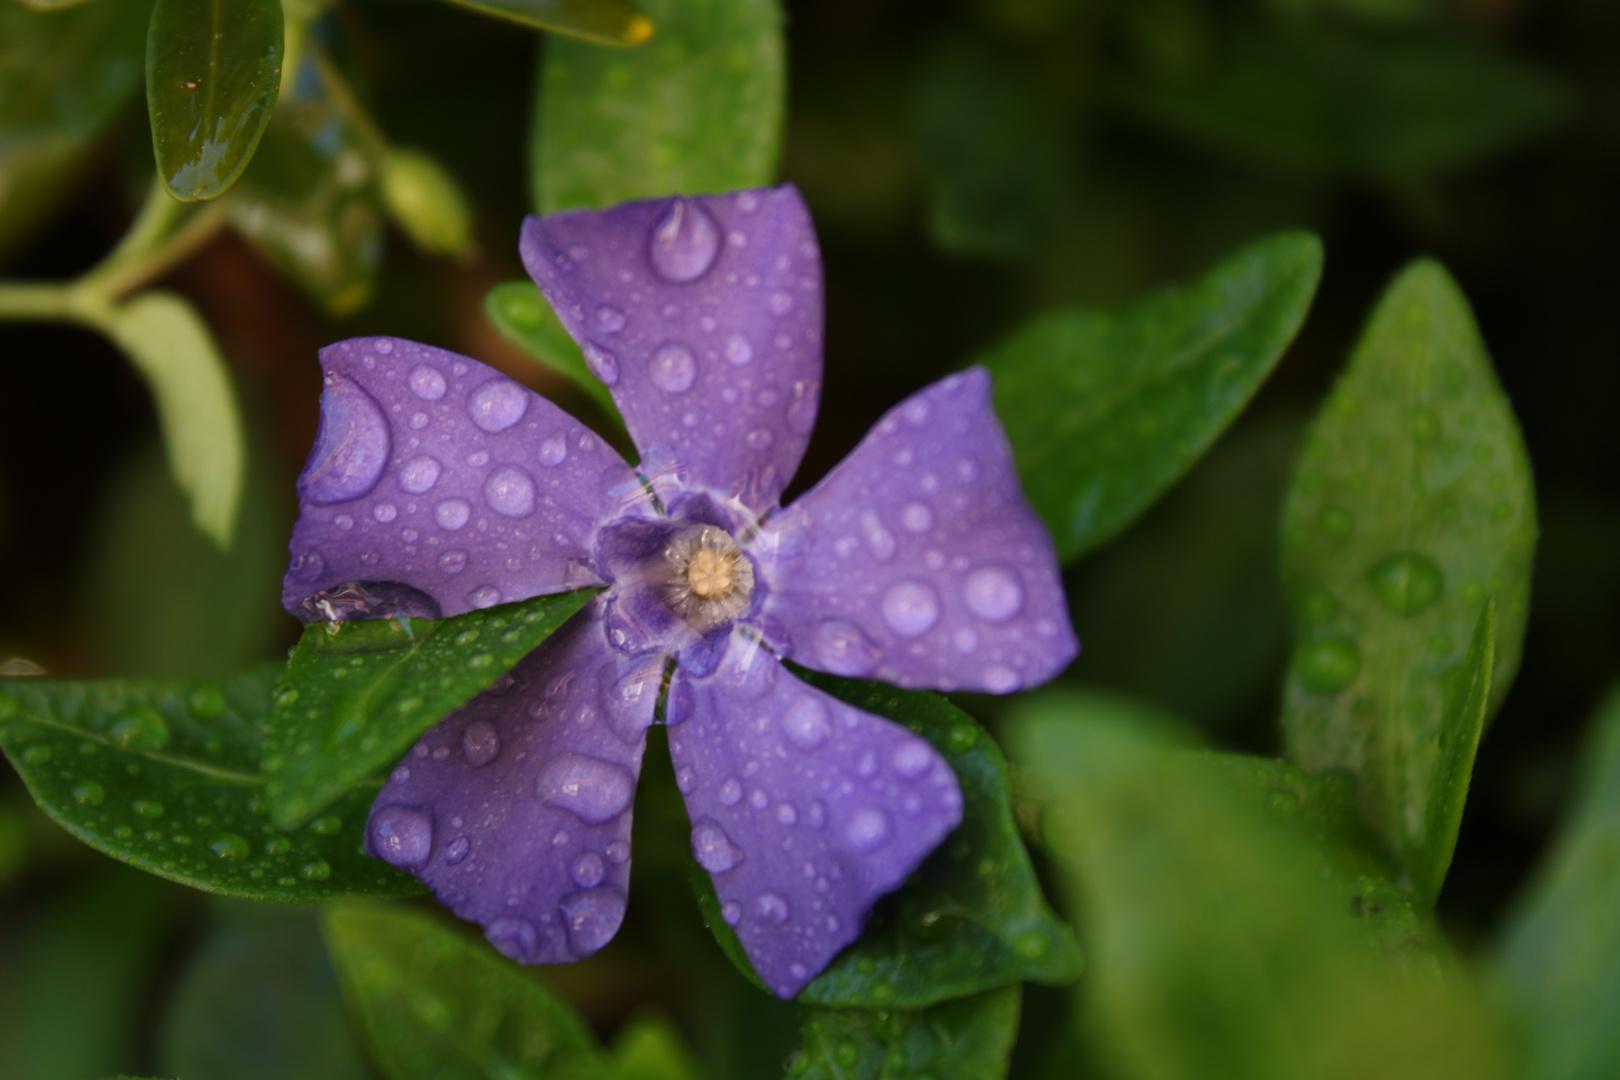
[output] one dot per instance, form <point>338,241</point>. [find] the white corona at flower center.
<point>709,579</point>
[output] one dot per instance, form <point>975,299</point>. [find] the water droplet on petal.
<point>1000,679</point>
<point>771,907</point>
<point>402,836</point>
<point>673,369</point>
<point>731,792</point>
<point>485,596</point>
<point>684,242</point>
<point>842,648</point>
<point>912,758</point>
<point>453,562</point>
<point>806,724</point>
<point>993,593</point>
<point>1407,583</point>
<point>592,918</point>
<point>452,514</point>
<point>554,451</point>
<point>731,911</point>
<point>917,518</point>
<point>739,350</point>
<point>609,319</point>
<point>513,937</point>
<point>603,364</point>
<point>419,475</point>
<point>457,850</point>
<point>498,404</point>
<point>427,383</point>
<point>911,608</point>
<point>785,814</point>
<point>351,448</point>
<point>510,491</point>
<point>815,814</point>
<point>587,870</point>
<point>712,848</point>
<point>878,539</point>
<point>867,830</point>
<point>593,790</point>
<point>480,743</point>
<point>385,512</point>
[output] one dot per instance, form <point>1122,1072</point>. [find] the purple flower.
<point>437,485</point>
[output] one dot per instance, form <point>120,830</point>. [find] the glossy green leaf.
<point>425,201</point>
<point>435,1001</point>
<point>697,109</point>
<point>972,917</point>
<point>1106,411</point>
<point>165,777</point>
<point>62,78</point>
<point>258,1001</point>
<point>1412,505</point>
<point>1559,966</point>
<point>603,22</point>
<point>356,694</point>
<point>213,69</point>
<point>170,346</point>
<point>311,201</point>
<point>1216,945</point>
<point>521,314</point>
<point>649,1047</point>
<point>966,1039</point>
<point>1381,106</point>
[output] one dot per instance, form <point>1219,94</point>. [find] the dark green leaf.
<point>434,1001</point>
<point>259,1002</point>
<point>1375,106</point>
<point>213,68</point>
<point>709,904</point>
<point>1216,945</point>
<point>62,78</point>
<point>697,109</point>
<point>165,776</point>
<point>606,22</point>
<point>311,201</point>
<point>972,918</point>
<point>355,694</point>
<point>521,314</point>
<point>1104,412</point>
<point>650,1048</point>
<point>1559,968</point>
<point>1411,505</point>
<point>965,1039</point>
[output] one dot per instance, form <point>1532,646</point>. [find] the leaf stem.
<point>164,233</point>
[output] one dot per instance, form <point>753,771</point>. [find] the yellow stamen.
<point>710,572</point>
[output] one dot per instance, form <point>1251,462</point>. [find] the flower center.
<point>708,580</point>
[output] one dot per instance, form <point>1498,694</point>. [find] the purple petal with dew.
<point>703,316</point>
<point>437,485</point>
<point>516,808</point>
<point>804,810</point>
<point>917,561</point>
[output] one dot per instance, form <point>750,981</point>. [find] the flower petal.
<point>703,315</point>
<point>438,474</point>
<point>804,810</point>
<point>516,808</point>
<point>917,561</point>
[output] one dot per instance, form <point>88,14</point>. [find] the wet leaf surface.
<point>966,1039</point>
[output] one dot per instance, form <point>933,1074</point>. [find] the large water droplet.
<point>629,699</point>
<point>141,729</point>
<point>912,758</point>
<point>89,793</point>
<point>910,608</point>
<point>351,449</point>
<point>731,791</point>
<point>593,790</point>
<point>771,907</point>
<point>513,937</point>
<point>867,830</point>
<point>592,918</point>
<point>843,649</point>
<point>498,404</point>
<point>917,518</point>
<point>587,870</point>
<point>457,850</point>
<point>739,350</point>
<point>806,723</point>
<point>609,319</point>
<point>230,847</point>
<point>673,369</point>
<point>452,514</point>
<point>712,848</point>
<point>427,383</point>
<point>419,475</point>
<point>453,561</point>
<point>510,491</point>
<point>1407,582</point>
<point>603,364</point>
<point>480,743</point>
<point>485,596</point>
<point>684,242</point>
<point>1328,665</point>
<point>554,451</point>
<point>403,836</point>
<point>993,593</point>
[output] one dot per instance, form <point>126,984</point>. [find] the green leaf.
<point>1377,106</point>
<point>965,1039</point>
<point>698,109</point>
<point>1559,966</point>
<point>202,430</point>
<point>356,694</point>
<point>1412,504</point>
<point>605,22</point>
<point>213,69</point>
<point>311,202</point>
<point>520,313</point>
<point>62,78</point>
<point>1216,945</point>
<point>972,917</point>
<point>426,202</point>
<point>649,1047</point>
<point>436,1002</point>
<point>165,777</point>
<point>1104,412</point>
<point>259,1002</point>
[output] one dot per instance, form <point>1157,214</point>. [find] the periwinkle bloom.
<point>437,486</point>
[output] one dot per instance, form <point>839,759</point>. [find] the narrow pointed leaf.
<point>355,694</point>
<point>1216,945</point>
<point>696,110</point>
<point>521,314</point>
<point>434,1001</point>
<point>602,22</point>
<point>966,1039</point>
<point>202,431</point>
<point>1412,504</point>
<point>213,69</point>
<point>1559,967</point>
<point>1104,412</point>
<point>165,777</point>
<point>972,917</point>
